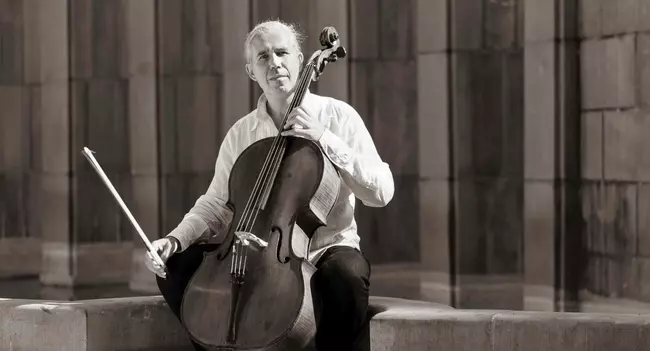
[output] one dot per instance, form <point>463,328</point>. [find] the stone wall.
<point>615,120</point>
<point>515,129</point>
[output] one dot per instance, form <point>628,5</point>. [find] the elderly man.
<point>273,60</point>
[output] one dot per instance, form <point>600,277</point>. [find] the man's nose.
<point>275,61</point>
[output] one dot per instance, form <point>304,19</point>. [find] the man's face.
<point>274,62</point>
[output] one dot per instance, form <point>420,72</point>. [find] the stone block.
<point>434,211</point>
<point>33,116</point>
<point>142,279</point>
<point>14,127</point>
<point>362,81</point>
<point>54,209</point>
<point>66,328</point>
<point>610,214</point>
<point>67,264</point>
<point>490,291</point>
<point>12,34</point>
<point>144,207</point>
<point>391,234</point>
<point>486,112</point>
<point>15,220</point>
<point>296,11</point>
<point>81,39</point>
<point>593,197</point>
<point>238,99</point>
<point>215,20</point>
<point>643,67</point>
<point>643,230</point>
<point>169,18</point>
<point>625,134</point>
<point>167,138</point>
<point>143,125</point>
<point>540,109</point>
<point>20,257</point>
<point>55,127</point>
<point>533,331</point>
<point>619,16</point>
<point>643,16</point>
<point>265,9</point>
<point>195,51</point>
<point>608,72</point>
<point>539,233</point>
<point>395,118</point>
<point>141,37</point>
<point>54,59</point>
<point>432,26</point>
<point>488,223</point>
<point>105,324</point>
<point>106,123</point>
<point>434,116</point>
<point>500,27</point>
<point>32,44</point>
<point>592,145</point>
<point>396,30</point>
<point>642,267</point>
<point>464,37</point>
<point>590,18</point>
<point>538,298</point>
<point>197,107</point>
<point>454,331</point>
<point>364,36</point>
<point>540,20</point>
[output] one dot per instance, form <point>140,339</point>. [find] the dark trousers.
<point>341,284</point>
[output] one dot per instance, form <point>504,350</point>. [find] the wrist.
<point>175,243</point>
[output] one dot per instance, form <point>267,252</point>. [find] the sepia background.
<point>518,133</point>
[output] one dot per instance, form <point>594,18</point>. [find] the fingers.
<point>163,248</point>
<point>154,266</point>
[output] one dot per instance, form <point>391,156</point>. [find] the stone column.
<point>383,89</point>
<point>19,97</point>
<point>143,136</point>
<point>470,83</point>
<point>434,157</point>
<point>552,227</point>
<point>86,238</point>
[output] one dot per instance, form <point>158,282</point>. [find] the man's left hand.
<point>302,124</point>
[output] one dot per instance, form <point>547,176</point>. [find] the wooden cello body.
<point>254,291</point>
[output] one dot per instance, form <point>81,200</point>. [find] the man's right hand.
<point>165,247</point>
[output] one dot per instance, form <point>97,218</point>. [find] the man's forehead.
<point>274,40</point>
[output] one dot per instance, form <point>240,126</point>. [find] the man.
<point>273,60</point>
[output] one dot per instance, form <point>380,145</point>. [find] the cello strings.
<point>239,260</point>
<point>278,153</point>
<point>273,155</point>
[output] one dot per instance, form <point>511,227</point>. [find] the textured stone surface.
<point>592,145</point>
<point>625,134</point>
<point>145,323</point>
<point>608,72</point>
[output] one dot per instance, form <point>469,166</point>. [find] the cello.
<point>254,291</point>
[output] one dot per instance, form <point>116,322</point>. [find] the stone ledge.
<point>145,323</point>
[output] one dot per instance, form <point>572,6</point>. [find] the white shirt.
<point>346,142</point>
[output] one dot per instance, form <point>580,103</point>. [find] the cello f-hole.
<point>283,252</point>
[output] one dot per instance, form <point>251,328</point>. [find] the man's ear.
<point>249,71</point>
<point>300,59</point>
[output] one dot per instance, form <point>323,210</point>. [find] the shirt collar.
<point>262,115</point>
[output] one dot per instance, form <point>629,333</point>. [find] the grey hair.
<point>265,27</point>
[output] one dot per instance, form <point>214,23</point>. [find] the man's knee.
<point>345,266</point>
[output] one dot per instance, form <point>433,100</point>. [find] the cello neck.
<point>300,91</point>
